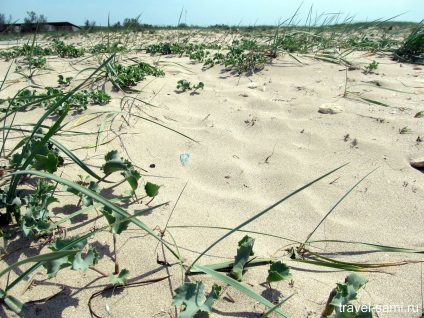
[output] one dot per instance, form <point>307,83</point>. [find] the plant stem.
<point>116,254</point>
<point>99,271</point>
<point>328,310</point>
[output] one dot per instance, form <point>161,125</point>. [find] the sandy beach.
<point>221,155</point>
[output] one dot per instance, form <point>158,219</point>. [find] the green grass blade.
<point>332,209</point>
<point>345,267</point>
<point>375,102</point>
<point>375,246</point>
<point>229,229</point>
<point>269,312</point>
<point>75,159</point>
<point>70,216</point>
<point>39,258</point>
<point>262,213</point>
<point>244,289</point>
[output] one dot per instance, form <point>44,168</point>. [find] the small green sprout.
<point>405,130</point>
<point>371,67</point>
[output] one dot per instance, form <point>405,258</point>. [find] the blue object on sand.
<point>184,158</point>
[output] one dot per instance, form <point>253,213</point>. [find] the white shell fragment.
<point>330,108</point>
<point>252,85</point>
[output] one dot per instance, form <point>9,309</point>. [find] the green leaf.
<point>47,163</point>
<point>54,266</point>
<point>39,258</point>
<point>356,280</point>
<point>346,292</point>
<point>364,312</point>
<point>115,163</point>
<point>278,271</point>
<point>243,253</point>
<point>90,259</point>
<point>112,217</point>
<point>87,200</point>
<point>192,297</point>
<point>120,279</point>
<point>151,189</point>
<point>132,176</point>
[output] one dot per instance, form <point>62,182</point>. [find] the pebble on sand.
<point>330,108</point>
<point>418,163</point>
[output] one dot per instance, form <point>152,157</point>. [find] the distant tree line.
<point>32,23</point>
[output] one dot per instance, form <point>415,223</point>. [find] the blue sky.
<point>204,13</point>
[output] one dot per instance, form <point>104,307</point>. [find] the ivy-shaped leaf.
<point>113,217</point>
<point>243,253</point>
<point>278,271</point>
<point>192,297</point>
<point>344,294</point>
<point>48,163</point>
<point>36,217</point>
<point>151,189</point>
<point>87,200</point>
<point>91,259</point>
<point>132,176</point>
<point>54,266</point>
<point>356,280</point>
<point>115,163</point>
<point>120,279</point>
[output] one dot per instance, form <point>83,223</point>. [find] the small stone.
<point>252,85</point>
<point>418,163</point>
<point>330,108</point>
<point>244,95</point>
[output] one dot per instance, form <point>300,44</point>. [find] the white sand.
<point>251,152</point>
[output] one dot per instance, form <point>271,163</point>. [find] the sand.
<point>250,148</point>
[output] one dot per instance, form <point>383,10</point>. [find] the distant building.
<point>44,27</point>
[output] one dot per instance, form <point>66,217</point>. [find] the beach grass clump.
<point>412,48</point>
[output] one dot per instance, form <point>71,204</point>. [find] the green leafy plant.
<point>278,271</point>
<point>371,67</point>
<point>191,296</point>
<point>64,81</point>
<point>340,299</point>
<point>66,50</point>
<point>124,77</point>
<point>185,85</point>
